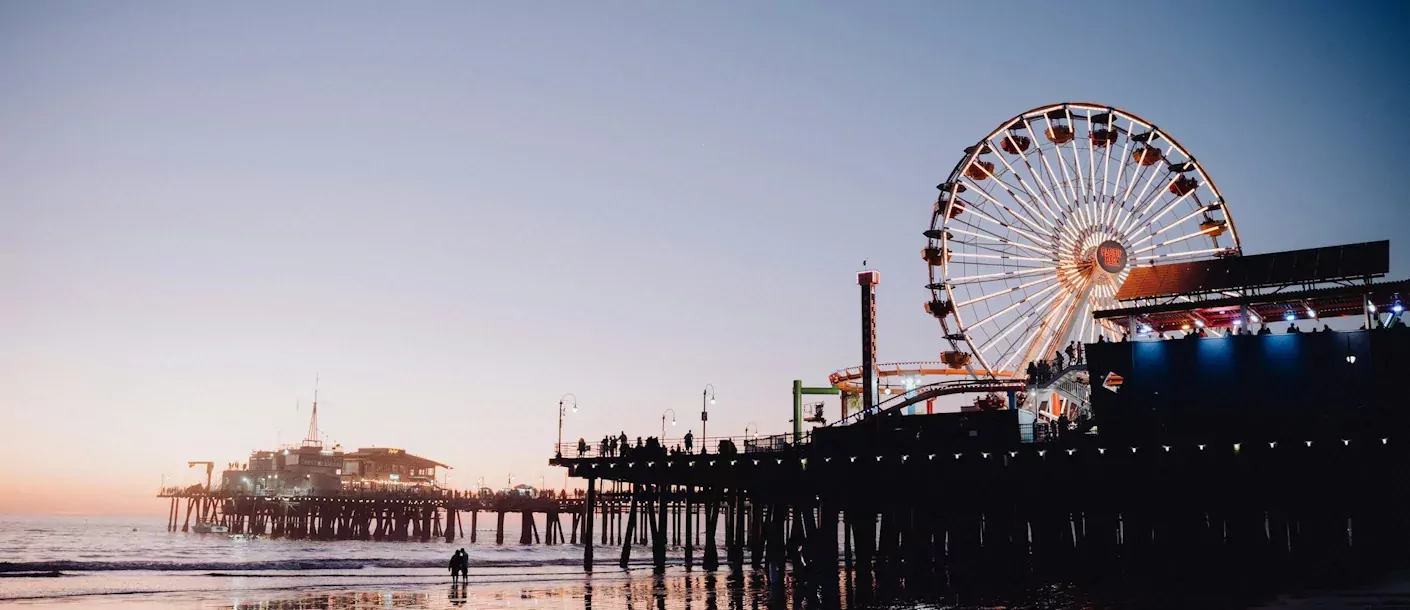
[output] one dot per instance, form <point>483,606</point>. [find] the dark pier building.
<point>1228,447</point>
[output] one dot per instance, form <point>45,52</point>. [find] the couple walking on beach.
<point>460,566</point>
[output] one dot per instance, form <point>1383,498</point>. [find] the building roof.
<point>392,455</point>
<point>1295,267</point>
<point>1332,302</point>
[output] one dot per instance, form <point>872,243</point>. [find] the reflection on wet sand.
<point>755,590</point>
<point>358,600</point>
<point>630,591</point>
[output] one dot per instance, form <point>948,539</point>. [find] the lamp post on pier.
<point>663,423</point>
<point>747,438</point>
<point>558,449</point>
<point>707,398</point>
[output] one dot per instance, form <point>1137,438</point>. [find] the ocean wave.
<point>271,565</point>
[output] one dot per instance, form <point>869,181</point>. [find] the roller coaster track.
<point>850,380</point>
<point>926,392</point>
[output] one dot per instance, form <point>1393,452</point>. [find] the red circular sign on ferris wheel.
<point>1111,257</point>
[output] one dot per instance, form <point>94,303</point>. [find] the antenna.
<point>312,439</point>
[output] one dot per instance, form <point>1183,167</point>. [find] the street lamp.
<point>663,422</point>
<point>747,437</point>
<point>707,398</point>
<point>558,449</point>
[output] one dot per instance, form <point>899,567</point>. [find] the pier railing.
<point>672,446</point>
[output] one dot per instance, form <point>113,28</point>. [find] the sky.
<point>452,214</point>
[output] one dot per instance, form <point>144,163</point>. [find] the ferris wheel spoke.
<point>1049,201</point>
<point>1168,227</point>
<point>1005,208</point>
<point>1048,168</point>
<point>1155,198</point>
<point>973,279</point>
<point>1034,239</point>
<point>1171,242</point>
<point>1002,257</point>
<point>1005,310</point>
<point>1079,186</point>
<point>1053,195</point>
<point>992,237</point>
<point>1019,320</point>
<point>1141,222</point>
<point>1099,203</point>
<point>1033,197</point>
<point>1006,291</point>
<point>1178,254</point>
<point>1075,198</point>
<point>1144,189</point>
<point>1123,160</point>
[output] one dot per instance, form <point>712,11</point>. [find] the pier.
<point>370,515</point>
<point>1190,444</point>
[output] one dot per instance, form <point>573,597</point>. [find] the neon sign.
<point>1111,257</point>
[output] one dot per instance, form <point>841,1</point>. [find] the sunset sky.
<point>453,213</point>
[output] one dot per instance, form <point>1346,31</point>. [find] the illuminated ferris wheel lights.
<point>1099,176</point>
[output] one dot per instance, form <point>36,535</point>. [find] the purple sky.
<point>456,212</point>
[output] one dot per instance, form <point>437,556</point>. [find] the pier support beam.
<point>658,547</point>
<point>689,531</point>
<point>588,507</point>
<point>631,530</point>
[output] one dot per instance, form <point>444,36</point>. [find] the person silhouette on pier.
<point>689,440</point>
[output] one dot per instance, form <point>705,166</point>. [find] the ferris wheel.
<point>1043,218</point>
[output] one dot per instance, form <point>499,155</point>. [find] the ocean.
<point>101,562</point>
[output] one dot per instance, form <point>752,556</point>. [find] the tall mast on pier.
<point>312,439</point>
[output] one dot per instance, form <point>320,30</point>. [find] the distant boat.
<point>209,528</point>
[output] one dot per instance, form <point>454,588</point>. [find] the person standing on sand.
<point>458,565</point>
<point>464,566</point>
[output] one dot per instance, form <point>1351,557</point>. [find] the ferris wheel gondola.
<point>1043,218</point>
